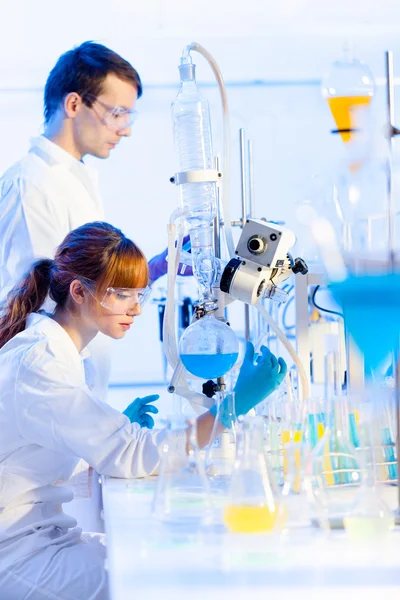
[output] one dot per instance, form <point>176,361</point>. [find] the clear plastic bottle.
<point>193,145</point>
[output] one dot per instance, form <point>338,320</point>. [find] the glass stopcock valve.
<point>208,348</point>
<point>348,88</point>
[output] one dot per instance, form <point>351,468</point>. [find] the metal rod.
<point>244,217</point>
<point>217,220</point>
<point>243,175</point>
<point>251,178</point>
<point>391,239</point>
<point>390,85</point>
<point>390,114</point>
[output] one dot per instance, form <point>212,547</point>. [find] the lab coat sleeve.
<point>30,228</point>
<point>56,411</point>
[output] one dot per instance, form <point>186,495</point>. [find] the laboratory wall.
<point>272,60</point>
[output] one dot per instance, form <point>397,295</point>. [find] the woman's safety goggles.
<point>119,301</point>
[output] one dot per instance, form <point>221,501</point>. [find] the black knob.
<point>300,266</point>
<point>209,388</point>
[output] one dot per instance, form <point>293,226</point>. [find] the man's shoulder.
<point>26,174</point>
<point>26,169</point>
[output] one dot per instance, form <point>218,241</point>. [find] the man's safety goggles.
<point>119,301</point>
<point>115,117</point>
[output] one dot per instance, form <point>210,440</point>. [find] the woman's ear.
<point>77,291</point>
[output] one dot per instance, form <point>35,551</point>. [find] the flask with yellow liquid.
<point>348,88</point>
<point>251,505</point>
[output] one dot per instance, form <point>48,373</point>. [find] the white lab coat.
<point>42,198</point>
<point>49,419</point>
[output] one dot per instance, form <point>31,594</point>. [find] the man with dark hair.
<point>89,102</point>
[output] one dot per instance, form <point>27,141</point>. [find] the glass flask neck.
<point>252,440</point>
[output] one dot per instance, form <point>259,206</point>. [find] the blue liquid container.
<point>208,348</point>
<point>371,312</point>
<point>209,366</point>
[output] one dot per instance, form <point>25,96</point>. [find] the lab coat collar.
<point>44,324</point>
<point>56,154</point>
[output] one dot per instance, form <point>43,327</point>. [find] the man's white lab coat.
<point>42,198</point>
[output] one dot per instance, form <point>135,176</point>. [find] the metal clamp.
<point>197,176</point>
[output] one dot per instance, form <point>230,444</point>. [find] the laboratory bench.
<point>147,559</point>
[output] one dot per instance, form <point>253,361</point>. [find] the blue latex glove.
<point>256,381</point>
<point>137,411</point>
<point>158,265</point>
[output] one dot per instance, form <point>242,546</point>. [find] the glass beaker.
<point>251,505</point>
<point>208,348</point>
<point>182,495</point>
<point>221,450</point>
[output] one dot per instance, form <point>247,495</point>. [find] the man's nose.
<point>125,131</point>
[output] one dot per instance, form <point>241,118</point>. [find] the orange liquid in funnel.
<point>343,109</point>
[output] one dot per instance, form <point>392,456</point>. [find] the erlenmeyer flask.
<point>335,466</point>
<point>251,504</point>
<point>182,495</point>
<point>369,516</point>
<point>348,87</point>
<point>208,348</point>
<point>221,450</point>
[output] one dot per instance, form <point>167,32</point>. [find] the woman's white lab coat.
<point>49,419</point>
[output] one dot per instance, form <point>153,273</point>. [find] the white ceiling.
<point>255,39</point>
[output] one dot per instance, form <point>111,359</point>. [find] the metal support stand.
<point>391,211</point>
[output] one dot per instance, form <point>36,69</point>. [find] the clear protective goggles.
<point>115,117</point>
<point>119,301</point>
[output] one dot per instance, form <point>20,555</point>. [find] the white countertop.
<point>146,559</point>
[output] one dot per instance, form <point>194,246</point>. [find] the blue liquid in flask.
<point>209,366</point>
<point>371,307</point>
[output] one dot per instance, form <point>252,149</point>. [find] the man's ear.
<point>72,105</point>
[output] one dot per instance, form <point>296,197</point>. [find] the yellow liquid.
<point>249,519</point>
<point>343,108</point>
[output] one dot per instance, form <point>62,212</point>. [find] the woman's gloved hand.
<point>256,381</point>
<point>137,411</point>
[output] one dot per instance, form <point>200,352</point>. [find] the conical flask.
<point>335,466</point>
<point>221,452</point>
<point>208,348</point>
<point>182,495</point>
<point>347,87</point>
<point>251,505</point>
<point>369,516</point>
